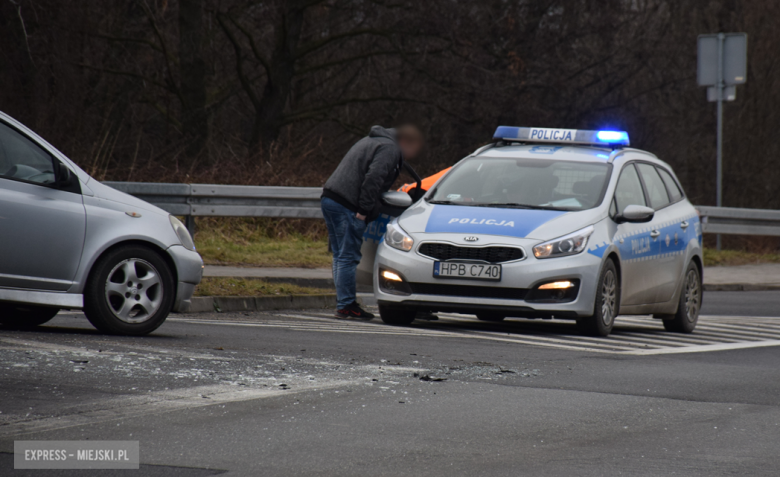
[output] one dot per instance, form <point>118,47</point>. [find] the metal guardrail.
<point>728,220</point>
<point>209,200</point>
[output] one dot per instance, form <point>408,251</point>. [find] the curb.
<point>301,282</point>
<point>739,287</point>
<point>206,304</point>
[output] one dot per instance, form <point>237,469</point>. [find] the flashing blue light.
<point>613,137</point>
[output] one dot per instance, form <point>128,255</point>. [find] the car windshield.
<point>523,183</point>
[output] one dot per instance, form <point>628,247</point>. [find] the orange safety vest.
<point>427,183</point>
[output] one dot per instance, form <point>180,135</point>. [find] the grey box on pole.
<point>729,93</point>
<point>734,59</point>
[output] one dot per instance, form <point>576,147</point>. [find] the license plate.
<point>476,271</point>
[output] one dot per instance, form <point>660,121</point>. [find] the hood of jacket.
<point>379,131</point>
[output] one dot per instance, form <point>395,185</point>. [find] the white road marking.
<point>634,335</point>
<point>705,348</point>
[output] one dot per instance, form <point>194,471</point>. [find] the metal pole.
<point>189,222</point>
<point>719,199</point>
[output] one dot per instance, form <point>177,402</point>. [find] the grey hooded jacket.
<point>368,169</point>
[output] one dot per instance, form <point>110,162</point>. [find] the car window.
<point>20,158</point>
<point>671,185</point>
<point>656,191</point>
<point>542,183</point>
<point>629,189</point>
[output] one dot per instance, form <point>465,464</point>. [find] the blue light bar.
<point>561,136</point>
<point>613,137</point>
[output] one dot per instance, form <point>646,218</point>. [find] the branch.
<point>166,113</point>
<point>255,50</point>
<point>125,73</point>
<point>174,88</point>
<point>350,59</point>
<point>148,43</point>
<point>18,7</point>
<point>316,45</point>
<point>245,82</point>
<point>308,113</point>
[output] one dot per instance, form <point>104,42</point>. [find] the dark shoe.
<point>354,312</point>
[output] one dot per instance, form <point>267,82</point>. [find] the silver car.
<point>546,223</point>
<point>69,242</point>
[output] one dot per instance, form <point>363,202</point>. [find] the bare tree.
<point>300,60</point>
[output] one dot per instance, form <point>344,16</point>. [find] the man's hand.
<point>361,217</point>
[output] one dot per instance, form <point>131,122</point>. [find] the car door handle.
<point>655,234</point>
<point>684,224</point>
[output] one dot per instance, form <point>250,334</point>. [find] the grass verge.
<point>261,243</point>
<point>714,258</point>
<point>251,287</point>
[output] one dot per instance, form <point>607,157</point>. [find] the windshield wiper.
<point>515,205</point>
<point>445,202</point>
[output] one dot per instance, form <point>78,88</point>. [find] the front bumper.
<point>523,275</point>
<point>189,270</point>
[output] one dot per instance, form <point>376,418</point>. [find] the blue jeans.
<point>346,237</point>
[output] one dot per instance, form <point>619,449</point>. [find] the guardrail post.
<point>189,222</point>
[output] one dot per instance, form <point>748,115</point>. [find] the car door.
<point>669,230</point>
<point>42,228</point>
<point>633,240</point>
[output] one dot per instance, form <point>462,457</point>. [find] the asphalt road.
<point>299,394</point>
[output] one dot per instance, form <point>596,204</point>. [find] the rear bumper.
<point>189,270</point>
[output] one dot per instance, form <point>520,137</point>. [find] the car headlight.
<point>181,231</point>
<point>397,238</point>
<point>571,244</point>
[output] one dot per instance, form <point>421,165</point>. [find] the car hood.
<point>518,223</point>
<point>105,192</point>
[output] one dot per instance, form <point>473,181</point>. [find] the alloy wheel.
<point>134,290</point>
<point>608,297</point>
<point>692,296</point>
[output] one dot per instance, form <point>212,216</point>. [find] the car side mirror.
<point>63,175</point>
<point>65,179</point>
<point>635,214</point>
<point>396,199</point>
<point>394,203</point>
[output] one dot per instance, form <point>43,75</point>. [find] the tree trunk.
<point>18,62</point>
<point>192,73</point>
<point>270,115</point>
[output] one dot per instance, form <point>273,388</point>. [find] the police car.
<point>546,223</point>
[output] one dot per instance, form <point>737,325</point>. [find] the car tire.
<point>687,315</point>
<point>396,316</point>
<point>495,317</point>
<point>606,306</point>
<point>130,291</point>
<point>25,316</point>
